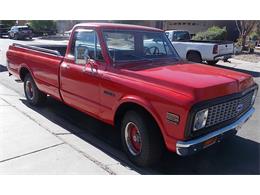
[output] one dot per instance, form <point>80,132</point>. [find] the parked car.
<point>157,100</point>
<point>20,32</point>
<point>198,51</point>
<point>3,30</point>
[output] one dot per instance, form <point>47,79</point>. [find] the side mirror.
<point>82,55</point>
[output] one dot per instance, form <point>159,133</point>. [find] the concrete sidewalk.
<point>242,65</point>
<point>31,144</point>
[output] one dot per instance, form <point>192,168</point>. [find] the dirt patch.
<point>255,58</point>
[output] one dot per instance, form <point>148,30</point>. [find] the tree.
<point>245,27</point>
<point>43,26</point>
<point>8,23</point>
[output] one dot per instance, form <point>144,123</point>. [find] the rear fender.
<point>22,66</point>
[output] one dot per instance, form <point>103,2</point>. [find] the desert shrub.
<point>213,33</point>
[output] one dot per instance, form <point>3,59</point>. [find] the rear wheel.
<point>141,139</point>
<point>213,62</point>
<point>194,57</point>
<point>33,95</point>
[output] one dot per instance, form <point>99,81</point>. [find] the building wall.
<point>66,25</point>
<point>193,26</point>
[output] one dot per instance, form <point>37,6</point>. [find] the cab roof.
<point>117,26</point>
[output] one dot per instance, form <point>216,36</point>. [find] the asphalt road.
<point>237,155</point>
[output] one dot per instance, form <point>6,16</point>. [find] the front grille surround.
<point>215,104</point>
<point>228,110</point>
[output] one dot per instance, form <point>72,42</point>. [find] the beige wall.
<point>190,25</point>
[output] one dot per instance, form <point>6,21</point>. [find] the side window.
<point>99,55</point>
<point>85,43</point>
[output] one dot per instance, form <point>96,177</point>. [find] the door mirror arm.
<point>91,63</point>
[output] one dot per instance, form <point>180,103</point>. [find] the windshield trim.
<point>177,57</point>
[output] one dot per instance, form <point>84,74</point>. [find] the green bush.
<point>254,36</point>
<point>42,25</point>
<point>213,33</point>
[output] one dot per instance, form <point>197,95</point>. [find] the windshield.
<point>181,36</point>
<point>126,45</point>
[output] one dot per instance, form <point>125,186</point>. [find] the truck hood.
<point>200,81</point>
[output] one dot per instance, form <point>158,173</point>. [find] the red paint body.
<point>159,89</point>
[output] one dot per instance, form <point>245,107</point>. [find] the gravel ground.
<point>255,58</point>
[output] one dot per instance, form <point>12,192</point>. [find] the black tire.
<point>194,57</point>
<point>34,96</point>
<point>151,140</point>
<point>213,62</point>
<point>16,37</point>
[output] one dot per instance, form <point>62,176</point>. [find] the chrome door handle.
<point>65,66</point>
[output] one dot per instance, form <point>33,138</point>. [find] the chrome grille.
<point>228,110</point>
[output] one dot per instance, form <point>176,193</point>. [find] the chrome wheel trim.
<point>130,139</point>
<point>29,90</point>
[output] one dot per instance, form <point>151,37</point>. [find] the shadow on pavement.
<point>3,68</point>
<point>236,155</point>
<point>253,73</point>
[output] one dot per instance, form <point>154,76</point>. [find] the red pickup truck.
<point>131,77</point>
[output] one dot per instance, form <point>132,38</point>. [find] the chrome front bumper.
<point>184,148</point>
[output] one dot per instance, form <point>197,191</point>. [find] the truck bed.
<point>58,49</point>
<point>43,61</point>
<point>218,42</point>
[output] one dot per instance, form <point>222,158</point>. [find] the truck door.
<point>81,72</point>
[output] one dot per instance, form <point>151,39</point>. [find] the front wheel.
<point>141,139</point>
<point>33,95</point>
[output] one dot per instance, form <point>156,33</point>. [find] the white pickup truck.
<point>198,51</point>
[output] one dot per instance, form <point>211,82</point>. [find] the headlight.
<point>200,119</point>
<point>253,97</point>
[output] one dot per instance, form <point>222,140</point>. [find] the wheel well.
<point>192,51</point>
<point>23,73</point>
<point>121,111</point>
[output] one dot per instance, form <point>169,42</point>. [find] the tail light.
<point>215,49</point>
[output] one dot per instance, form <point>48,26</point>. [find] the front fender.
<point>145,104</point>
